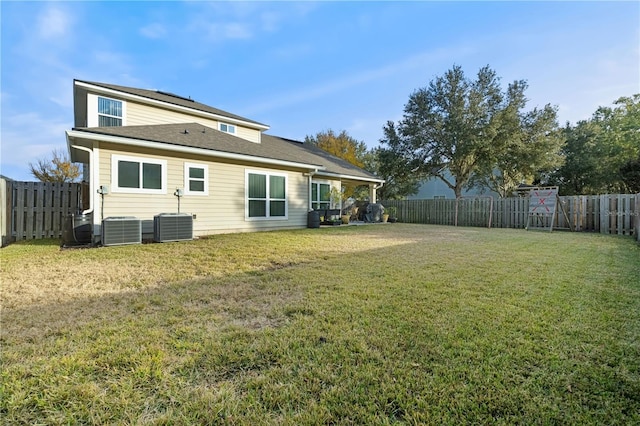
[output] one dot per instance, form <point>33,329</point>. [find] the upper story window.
<point>227,128</point>
<point>196,179</point>
<point>110,112</point>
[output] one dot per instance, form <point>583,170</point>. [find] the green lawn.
<point>407,324</point>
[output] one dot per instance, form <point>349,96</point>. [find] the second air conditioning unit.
<point>172,227</point>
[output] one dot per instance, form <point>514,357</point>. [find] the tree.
<point>630,173</point>
<point>341,145</point>
<point>349,149</point>
<point>531,146</point>
<point>390,164</point>
<point>600,152</point>
<point>58,168</point>
<point>472,129</point>
<point>618,140</point>
<point>579,173</point>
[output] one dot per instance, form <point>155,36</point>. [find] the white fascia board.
<point>188,150</point>
<point>166,105</point>
<point>349,177</point>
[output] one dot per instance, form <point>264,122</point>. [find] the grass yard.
<point>407,324</point>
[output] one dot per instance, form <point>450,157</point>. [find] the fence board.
<point>5,212</point>
<point>636,215</point>
<point>38,209</point>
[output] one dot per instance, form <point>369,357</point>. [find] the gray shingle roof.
<point>172,99</point>
<point>199,136</point>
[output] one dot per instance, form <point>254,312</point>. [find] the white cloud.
<point>54,23</point>
<point>220,21</point>
<point>270,21</point>
<point>292,51</point>
<point>220,32</point>
<point>154,31</point>
<point>234,30</point>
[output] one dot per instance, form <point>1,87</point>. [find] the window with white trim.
<point>266,195</point>
<point>138,175</point>
<point>320,195</point>
<point>109,112</point>
<point>196,179</point>
<point>227,128</point>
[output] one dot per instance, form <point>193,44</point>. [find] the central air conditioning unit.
<point>172,227</point>
<point>119,230</point>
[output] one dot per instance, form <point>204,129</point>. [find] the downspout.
<point>91,184</point>
<point>375,189</point>
<point>309,192</point>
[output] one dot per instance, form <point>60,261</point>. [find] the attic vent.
<point>172,227</point>
<point>120,230</point>
<point>173,95</point>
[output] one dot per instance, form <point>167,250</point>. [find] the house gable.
<point>149,107</point>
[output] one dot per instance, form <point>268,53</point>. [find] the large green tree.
<point>600,153</point>
<point>579,174</point>
<point>465,127</point>
<point>530,145</point>
<point>630,172</point>
<point>391,165</point>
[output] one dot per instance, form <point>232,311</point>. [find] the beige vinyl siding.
<point>223,210</point>
<point>140,114</point>
<point>248,134</point>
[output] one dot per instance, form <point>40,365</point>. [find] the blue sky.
<point>303,67</point>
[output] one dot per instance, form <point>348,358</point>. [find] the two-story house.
<point>147,152</point>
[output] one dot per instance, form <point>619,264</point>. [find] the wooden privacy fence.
<point>608,214</point>
<point>34,210</point>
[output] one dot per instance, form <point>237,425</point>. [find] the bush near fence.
<point>608,214</point>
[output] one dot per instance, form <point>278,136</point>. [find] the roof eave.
<point>121,140</point>
<point>350,177</point>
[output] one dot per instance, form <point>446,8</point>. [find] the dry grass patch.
<point>41,273</point>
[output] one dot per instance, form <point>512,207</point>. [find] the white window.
<point>138,175</point>
<point>320,195</point>
<point>266,195</point>
<point>228,128</point>
<point>105,112</point>
<point>196,179</point>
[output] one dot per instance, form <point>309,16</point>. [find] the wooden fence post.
<point>603,214</point>
<point>636,215</point>
<point>6,190</point>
